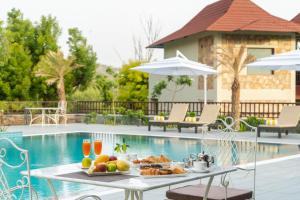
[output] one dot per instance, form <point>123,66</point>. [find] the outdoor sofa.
<point>177,114</point>
<point>288,120</point>
<point>208,117</point>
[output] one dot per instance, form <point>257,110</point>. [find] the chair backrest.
<point>7,190</point>
<point>209,113</point>
<point>289,116</point>
<point>178,112</point>
<point>62,105</point>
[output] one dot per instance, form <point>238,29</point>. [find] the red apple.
<point>112,158</point>
<point>101,167</point>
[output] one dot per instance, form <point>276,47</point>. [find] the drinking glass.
<point>86,147</point>
<point>97,147</point>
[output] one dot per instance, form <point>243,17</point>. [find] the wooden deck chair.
<point>288,120</point>
<point>208,117</point>
<point>177,115</point>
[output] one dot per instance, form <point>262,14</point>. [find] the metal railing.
<point>258,109</point>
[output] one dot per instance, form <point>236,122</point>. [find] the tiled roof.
<point>231,15</point>
<point>296,19</point>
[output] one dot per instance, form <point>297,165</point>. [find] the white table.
<point>45,114</point>
<point>133,187</point>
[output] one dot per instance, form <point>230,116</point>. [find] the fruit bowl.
<point>105,165</point>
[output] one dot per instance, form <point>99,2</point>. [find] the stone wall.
<point>277,80</point>
<point>206,45</point>
<point>20,119</point>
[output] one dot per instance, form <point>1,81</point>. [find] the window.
<point>298,44</point>
<point>260,53</point>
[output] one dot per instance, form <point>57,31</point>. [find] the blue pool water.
<point>53,150</point>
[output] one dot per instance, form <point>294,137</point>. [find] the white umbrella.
<point>284,61</point>
<point>178,66</point>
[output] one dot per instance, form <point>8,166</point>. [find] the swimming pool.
<point>50,150</point>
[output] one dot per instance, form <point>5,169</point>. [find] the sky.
<point>110,25</point>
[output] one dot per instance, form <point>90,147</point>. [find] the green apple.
<point>111,167</point>
<point>86,162</point>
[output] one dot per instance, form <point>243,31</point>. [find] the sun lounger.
<point>288,120</point>
<point>177,115</point>
<point>208,117</point>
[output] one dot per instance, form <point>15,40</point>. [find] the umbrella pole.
<point>205,88</point>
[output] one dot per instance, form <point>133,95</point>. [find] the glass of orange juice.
<point>86,147</point>
<point>97,147</point>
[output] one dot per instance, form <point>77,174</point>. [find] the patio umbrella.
<point>284,61</point>
<point>178,66</point>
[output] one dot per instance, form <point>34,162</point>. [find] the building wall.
<point>190,48</point>
<point>276,87</point>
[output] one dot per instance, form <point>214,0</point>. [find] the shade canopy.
<point>178,66</point>
<point>284,61</point>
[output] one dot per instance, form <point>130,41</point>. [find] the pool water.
<point>51,150</point>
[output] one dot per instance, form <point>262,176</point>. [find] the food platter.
<point>165,176</point>
<point>86,171</point>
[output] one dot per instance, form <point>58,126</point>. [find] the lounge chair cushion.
<point>196,192</point>
<point>163,121</point>
<point>178,112</point>
<point>209,114</point>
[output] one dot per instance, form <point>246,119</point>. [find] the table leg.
<point>126,194</point>
<point>52,189</point>
<point>208,187</point>
<point>140,193</point>
<point>132,195</point>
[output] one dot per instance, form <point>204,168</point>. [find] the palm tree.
<point>54,67</point>
<point>233,60</point>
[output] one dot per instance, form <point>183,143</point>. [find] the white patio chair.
<point>7,191</point>
<point>227,155</point>
<point>18,191</point>
<point>61,112</point>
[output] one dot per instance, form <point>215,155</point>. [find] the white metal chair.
<point>61,112</point>
<point>8,192</point>
<point>18,191</point>
<point>227,155</point>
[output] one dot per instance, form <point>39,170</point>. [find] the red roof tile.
<point>231,15</point>
<point>296,19</point>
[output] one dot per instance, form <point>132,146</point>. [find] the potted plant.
<point>121,149</point>
<point>191,117</point>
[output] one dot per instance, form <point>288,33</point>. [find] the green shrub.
<point>91,118</point>
<point>191,114</point>
<point>252,121</point>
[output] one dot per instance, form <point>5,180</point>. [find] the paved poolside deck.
<point>142,130</point>
<point>276,179</point>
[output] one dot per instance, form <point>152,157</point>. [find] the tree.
<point>47,33</point>
<point>105,86</point>
<point>179,84</point>
<point>19,30</point>
<point>151,29</point>
<point>233,60</point>
<point>133,85</point>
<point>15,79</point>
<point>26,39</point>
<point>54,67</point>
<point>84,56</point>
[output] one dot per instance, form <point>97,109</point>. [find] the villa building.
<point>229,24</point>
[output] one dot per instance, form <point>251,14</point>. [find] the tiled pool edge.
<point>153,134</point>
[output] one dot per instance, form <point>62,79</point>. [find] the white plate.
<point>105,173</point>
<point>165,176</point>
